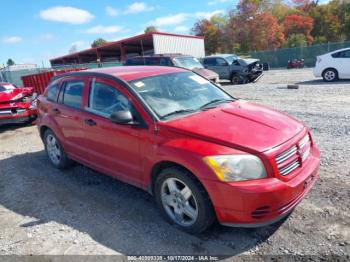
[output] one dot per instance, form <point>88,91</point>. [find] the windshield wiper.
<point>180,111</point>
<point>214,102</point>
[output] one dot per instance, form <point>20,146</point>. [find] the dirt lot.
<point>79,211</point>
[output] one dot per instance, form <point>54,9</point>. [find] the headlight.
<point>236,167</point>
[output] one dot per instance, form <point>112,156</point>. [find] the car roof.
<point>220,55</point>
<point>339,50</point>
<point>130,73</point>
<point>160,55</point>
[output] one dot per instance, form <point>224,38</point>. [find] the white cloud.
<point>66,14</point>
<point>214,2</point>
<point>169,20</point>
<point>12,39</point>
<point>47,37</point>
<point>138,7</point>
<point>208,15</point>
<point>80,45</point>
<point>111,11</point>
<point>181,29</point>
<point>100,29</point>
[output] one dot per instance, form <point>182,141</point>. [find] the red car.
<point>202,153</point>
<point>17,105</point>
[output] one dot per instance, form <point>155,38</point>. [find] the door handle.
<point>90,122</point>
<point>56,111</point>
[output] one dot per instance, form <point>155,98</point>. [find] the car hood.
<point>14,94</point>
<point>240,124</point>
<point>205,73</point>
<point>248,61</point>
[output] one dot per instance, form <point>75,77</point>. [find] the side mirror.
<point>122,117</point>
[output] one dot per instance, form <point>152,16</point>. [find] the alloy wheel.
<point>53,149</point>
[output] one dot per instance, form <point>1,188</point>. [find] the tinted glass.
<point>164,61</point>
<point>209,61</point>
<point>220,62</point>
<point>134,61</point>
<point>52,92</point>
<point>187,62</point>
<point>73,93</point>
<point>152,61</point>
<point>106,99</point>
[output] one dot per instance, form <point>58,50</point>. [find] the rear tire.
<point>55,152</point>
<point>183,201</point>
<point>330,75</point>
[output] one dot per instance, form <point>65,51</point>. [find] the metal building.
<point>145,44</point>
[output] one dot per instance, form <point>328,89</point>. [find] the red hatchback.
<point>203,154</point>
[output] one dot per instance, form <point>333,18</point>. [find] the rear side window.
<point>342,54</point>
<point>134,61</point>
<point>164,62</point>
<point>52,92</point>
<point>152,61</point>
<point>72,94</point>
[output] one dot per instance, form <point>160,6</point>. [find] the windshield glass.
<point>187,62</point>
<point>231,58</point>
<point>6,87</point>
<point>172,94</point>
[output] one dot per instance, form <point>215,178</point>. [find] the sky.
<point>36,31</point>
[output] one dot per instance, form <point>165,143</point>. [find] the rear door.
<point>342,63</point>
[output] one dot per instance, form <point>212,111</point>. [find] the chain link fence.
<point>278,58</point>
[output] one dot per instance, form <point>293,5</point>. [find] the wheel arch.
<point>328,68</point>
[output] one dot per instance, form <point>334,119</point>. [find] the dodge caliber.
<point>203,154</point>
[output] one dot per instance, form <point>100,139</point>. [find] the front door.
<point>112,148</point>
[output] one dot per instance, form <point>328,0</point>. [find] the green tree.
<point>98,42</point>
<point>150,29</point>
<point>296,40</point>
<point>10,62</point>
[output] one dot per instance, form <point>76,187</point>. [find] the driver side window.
<point>105,99</point>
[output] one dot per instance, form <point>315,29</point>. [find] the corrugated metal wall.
<point>164,44</point>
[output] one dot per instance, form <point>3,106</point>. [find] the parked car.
<point>295,63</point>
<point>334,65</point>
<point>202,153</point>
<point>17,105</point>
<point>178,60</point>
<point>234,68</point>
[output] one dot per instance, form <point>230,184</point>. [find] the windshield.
<point>172,94</point>
<point>6,87</point>
<point>231,58</point>
<point>187,62</point>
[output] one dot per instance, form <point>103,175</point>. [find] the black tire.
<point>330,75</point>
<point>62,161</point>
<point>237,79</point>
<point>206,215</point>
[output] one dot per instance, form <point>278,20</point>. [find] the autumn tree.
<point>98,42</point>
<point>297,24</point>
<point>211,33</point>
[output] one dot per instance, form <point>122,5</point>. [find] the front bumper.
<point>21,115</point>
<point>261,202</point>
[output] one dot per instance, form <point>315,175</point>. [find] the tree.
<point>297,24</point>
<point>296,40</point>
<point>150,29</point>
<point>98,42</point>
<point>10,62</point>
<point>211,34</point>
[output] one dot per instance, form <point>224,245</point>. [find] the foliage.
<point>150,29</point>
<point>254,25</point>
<point>98,42</point>
<point>10,62</point>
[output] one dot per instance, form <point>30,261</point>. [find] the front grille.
<point>292,158</point>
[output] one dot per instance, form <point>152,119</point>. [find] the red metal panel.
<point>39,81</point>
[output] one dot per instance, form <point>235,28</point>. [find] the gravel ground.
<point>79,211</point>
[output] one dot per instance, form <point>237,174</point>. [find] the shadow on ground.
<point>116,215</point>
<point>321,82</point>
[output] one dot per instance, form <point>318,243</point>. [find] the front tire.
<point>330,75</point>
<point>58,158</point>
<point>183,200</point>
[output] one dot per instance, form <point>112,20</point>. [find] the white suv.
<point>334,65</point>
